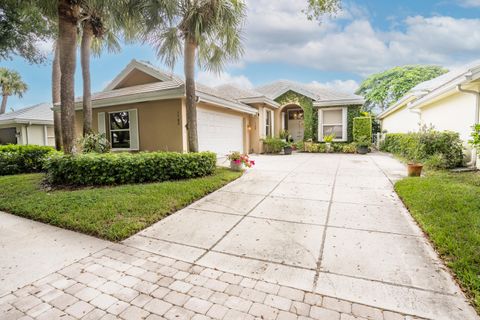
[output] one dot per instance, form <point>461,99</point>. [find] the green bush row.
<point>125,168</point>
<point>312,147</point>
<point>15,159</point>
<point>436,149</point>
<point>362,130</point>
<point>273,145</point>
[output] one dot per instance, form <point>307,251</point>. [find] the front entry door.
<point>295,124</point>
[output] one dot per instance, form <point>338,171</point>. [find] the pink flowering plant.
<point>238,158</point>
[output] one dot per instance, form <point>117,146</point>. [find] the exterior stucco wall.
<point>135,78</point>
<point>454,113</point>
<point>401,121</point>
<point>35,134</point>
<point>159,124</point>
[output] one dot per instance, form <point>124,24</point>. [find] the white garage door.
<point>219,132</point>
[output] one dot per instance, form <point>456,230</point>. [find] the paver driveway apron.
<point>330,224</point>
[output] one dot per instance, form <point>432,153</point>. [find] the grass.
<point>447,206</point>
<point>112,213</point>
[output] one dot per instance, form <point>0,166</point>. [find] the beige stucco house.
<point>449,102</point>
<point>28,126</point>
<point>143,109</point>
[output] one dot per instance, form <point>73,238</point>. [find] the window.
<point>120,130</point>
<point>295,115</point>
<point>333,123</point>
<point>268,123</point>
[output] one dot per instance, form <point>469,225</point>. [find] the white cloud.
<point>345,86</point>
<point>213,80</point>
<point>277,31</point>
<point>469,3</point>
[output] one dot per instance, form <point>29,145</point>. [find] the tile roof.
<point>276,89</point>
<point>40,113</point>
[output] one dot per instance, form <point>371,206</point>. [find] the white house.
<point>449,102</point>
<point>30,125</point>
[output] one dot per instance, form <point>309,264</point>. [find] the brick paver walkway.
<point>127,283</point>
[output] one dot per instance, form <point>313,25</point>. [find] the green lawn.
<point>447,206</point>
<point>113,213</point>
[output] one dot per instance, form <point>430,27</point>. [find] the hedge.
<point>312,147</point>
<point>15,159</point>
<point>439,149</point>
<point>362,129</point>
<point>126,168</point>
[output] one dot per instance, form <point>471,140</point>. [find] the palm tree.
<point>68,19</point>
<point>207,32</point>
<point>56,75</point>
<point>11,84</point>
<point>101,20</point>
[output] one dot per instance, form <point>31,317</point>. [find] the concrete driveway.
<point>324,223</point>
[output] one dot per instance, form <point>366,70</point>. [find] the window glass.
<point>337,131</point>
<point>332,116</point>
<point>295,115</point>
<point>120,130</point>
<point>268,123</point>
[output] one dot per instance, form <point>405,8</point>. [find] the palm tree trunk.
<point>57,121</point>
<point>191,98</point>
<point>68,15</point>
<point>3,108</point>
<point>87,37</point>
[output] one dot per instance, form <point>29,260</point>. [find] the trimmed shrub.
<point>362,129</point>
<point>349,148</point>
<point>273,145</point>
<point>124,168</point>
<point>93,142</point>
<point>437,149</point>
<point>15,159</point>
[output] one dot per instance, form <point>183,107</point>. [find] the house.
<point>31,125</point>
<point>448,102</point>
<point>143,109</point>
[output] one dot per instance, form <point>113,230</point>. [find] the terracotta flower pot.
<point>236,166</point>
<point>414,169</point>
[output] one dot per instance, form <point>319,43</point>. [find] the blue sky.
<point>280,43</point>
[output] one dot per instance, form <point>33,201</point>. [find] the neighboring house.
<point>31,125</point>
<point>143,109</point>
<point>449,102</point>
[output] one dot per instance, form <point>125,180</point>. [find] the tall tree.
<point>207,32</point>
<point>382,89</point>
<point>22,27</point>
<point>11,84</point>
<point>56,76</point>
<point>68,19</point>
<point>317,8</point>
<point>102,21</point>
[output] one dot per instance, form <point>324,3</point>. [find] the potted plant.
<point>363,144</point>
<point>284,134</point>
<point>238,161</point>
<point>328,139</point>
<point>414,167</point>
<point>288,148</point>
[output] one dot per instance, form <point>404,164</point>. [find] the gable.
<point>134,78</point>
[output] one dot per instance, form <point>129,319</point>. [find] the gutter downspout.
<point>473,159</point>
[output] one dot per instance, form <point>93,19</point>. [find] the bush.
<point>15,159</point>
<point>273,145</point>
<point>362,129</point>
<point>123,168</point>
<point>349,148</point>
<point>435,148</point>
<point>97,143</point>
